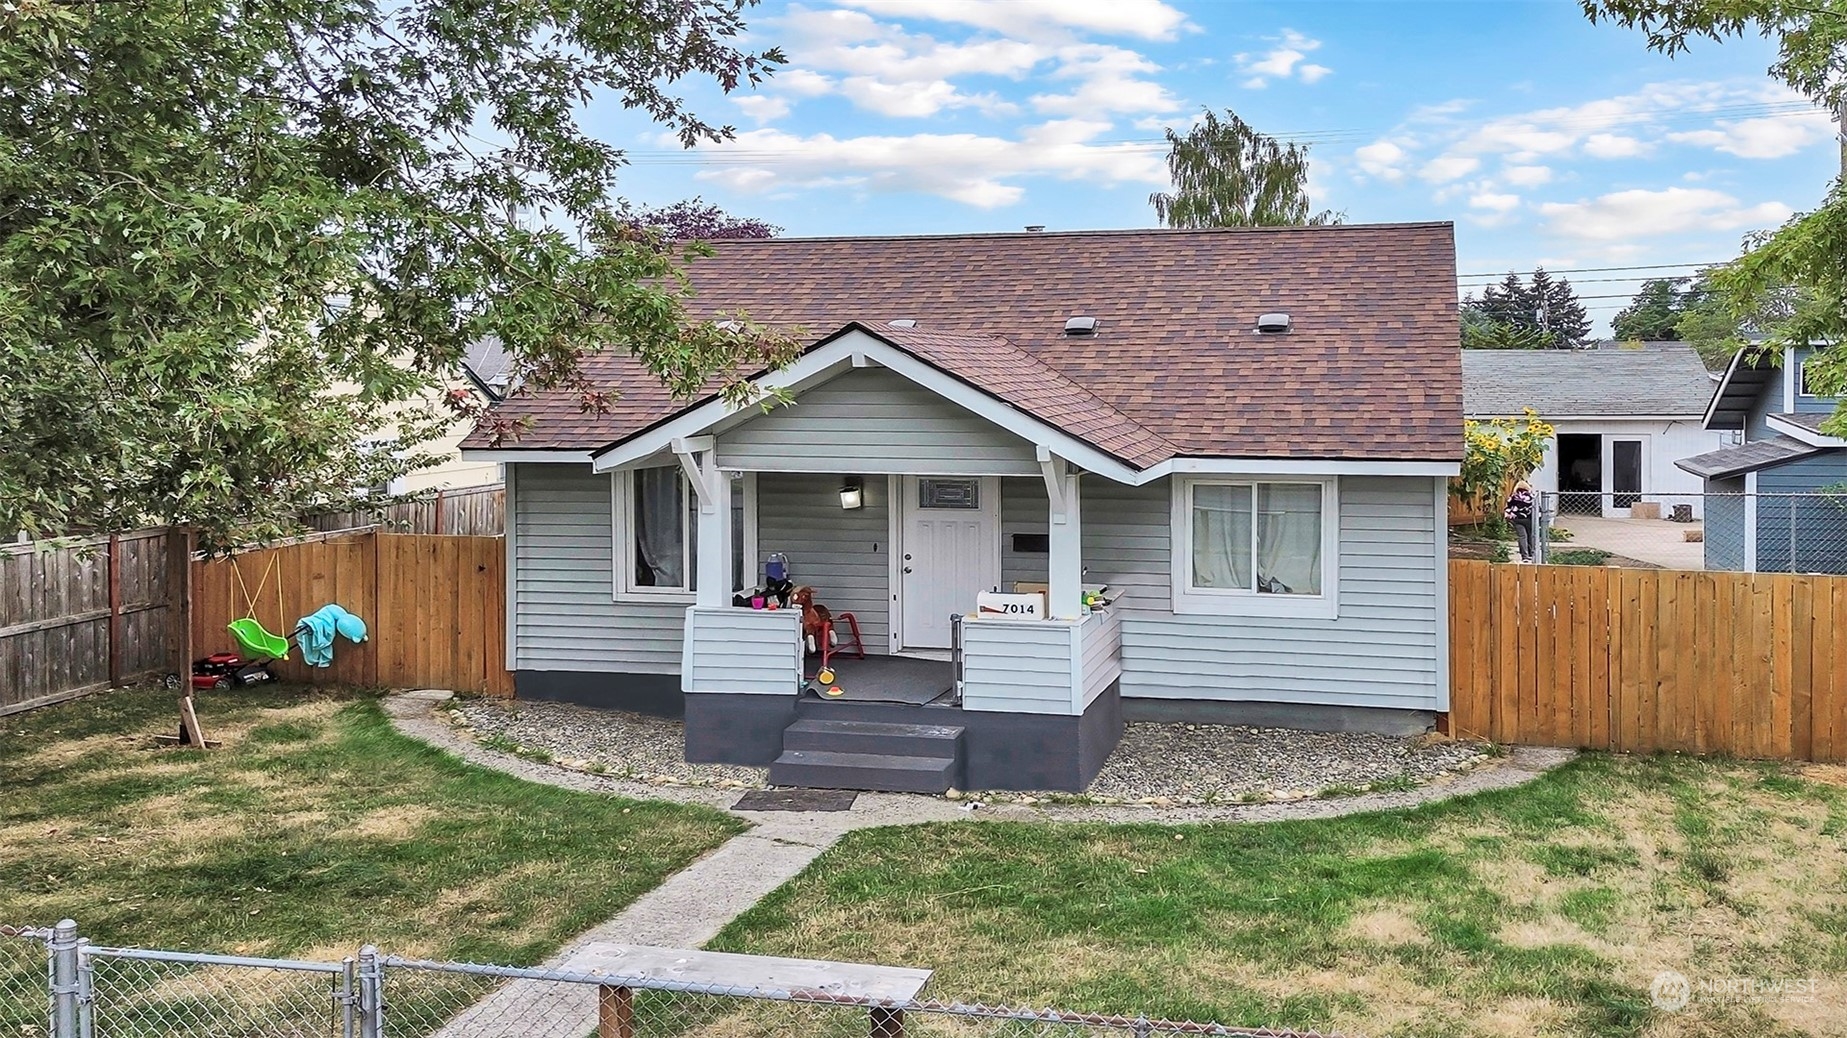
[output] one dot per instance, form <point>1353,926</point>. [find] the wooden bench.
<point>847,980</point>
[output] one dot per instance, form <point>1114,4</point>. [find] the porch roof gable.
<point>985,375</point>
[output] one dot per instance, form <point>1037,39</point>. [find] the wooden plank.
<point>1802,686</point>
<point>1598,599</point>
<point>1720,673</point>
<point>1754,734</point>
<point>1831,708</point>
<point>1506,612</point>
<point>755,972</point>
<point>1552,655</point>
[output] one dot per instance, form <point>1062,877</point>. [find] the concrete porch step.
<point>843,736</point>
<point>889,772</point>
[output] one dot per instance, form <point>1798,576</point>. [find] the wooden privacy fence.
<point>434,606</point>
<point>472,511</point>
<point>81,615</point>
<point>1642,660</point>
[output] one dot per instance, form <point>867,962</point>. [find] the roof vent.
<point>1080,326</point>
<point>1035,227</point>
<point>734,327</point>
<point>902,322</point>
<point>1273,324</point>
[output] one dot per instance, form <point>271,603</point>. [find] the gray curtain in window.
<point>1289,537</point>
<point>660,529</point>
<point>1222,537</point>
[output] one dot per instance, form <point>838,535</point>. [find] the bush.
<point>1579,557</point>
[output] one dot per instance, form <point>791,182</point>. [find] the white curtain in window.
<point>1289,538</point>
<point>1222,537</point>
<point>660,529</point>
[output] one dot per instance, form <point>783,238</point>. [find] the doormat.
<point>796,800</point>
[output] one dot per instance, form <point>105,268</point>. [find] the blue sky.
<point>1546,139</point>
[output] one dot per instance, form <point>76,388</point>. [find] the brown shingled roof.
<point>1370,369</point>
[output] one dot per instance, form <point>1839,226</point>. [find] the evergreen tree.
<point>1561,316</point>
<point>1651,316</point>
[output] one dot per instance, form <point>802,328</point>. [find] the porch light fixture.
<point>852,494</point>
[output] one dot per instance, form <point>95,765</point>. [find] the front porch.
<point>944,699</point>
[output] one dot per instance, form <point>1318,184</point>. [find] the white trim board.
<point>1778,423</point>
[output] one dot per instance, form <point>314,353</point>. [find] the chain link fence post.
<point>348,997</point>
<point>65,985</point>
<point>371,993</point>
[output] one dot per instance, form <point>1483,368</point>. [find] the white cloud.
<point>1382,159</point>
<point>1763,138</point>
<point>802,82</point>
<point>1286,60</point>
<point>977,170</point>
<point>1641,213</point>
<point>884,68</point>
<point>1445,168</point>
<point>762,108</point>
<point>1527,176</point>
<point>1494,202</point>
<point>1110,79</point>
<point>1614,146</point>
<point>1147,19</point>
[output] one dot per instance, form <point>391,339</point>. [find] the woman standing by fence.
<point>1519,512</point>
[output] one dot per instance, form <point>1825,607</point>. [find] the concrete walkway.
<point>693,905</point>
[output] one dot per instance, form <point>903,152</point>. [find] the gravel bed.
<point>611,742</point>
<point>1213,763</point>
<point>1157,764</point>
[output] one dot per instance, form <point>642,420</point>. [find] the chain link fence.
<point>25,982</point>
<point>1760,532</point>
<point>54,985</point>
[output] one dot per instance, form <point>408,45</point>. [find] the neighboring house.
<point>1623,418</point>
<point>1773,505</point>
<point>1065,410</point>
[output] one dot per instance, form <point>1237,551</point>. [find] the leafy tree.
<point>1226,174</point>
<point>1515,315</point>
<point>1804,255</point>
<point>695,220</point>
<point>1710,323</point>
<point>239,242</point>
<point>1654,313</point>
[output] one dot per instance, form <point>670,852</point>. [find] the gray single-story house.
<point>1239,438</point>
<point>1774,500</point>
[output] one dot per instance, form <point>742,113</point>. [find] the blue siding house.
<point>1777,500</point>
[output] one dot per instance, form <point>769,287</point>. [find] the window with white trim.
<point>1255,547</point>
<point>1802,378</point>
<point>657,533</point>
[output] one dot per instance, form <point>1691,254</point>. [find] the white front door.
<point>950,552</point>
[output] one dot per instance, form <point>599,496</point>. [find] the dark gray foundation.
<point>999,750</point>
<point>1301,716</point>
<point>655,694</point>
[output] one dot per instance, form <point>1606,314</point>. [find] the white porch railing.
<point>1040,666</point>
<point>742,650</point>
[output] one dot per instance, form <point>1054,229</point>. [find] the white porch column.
<point>1065,566</point>
<point>712,577</point>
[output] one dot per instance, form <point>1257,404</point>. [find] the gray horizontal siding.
<point>1724,524</point>
<point>1380,652</point>
<point>1100,652</point>
<point>1023,509</point>
<point>1017,667</point>
<point>842,554</point>
<point>873,420</point>
<point>564,614</point>
<point>743,650</point>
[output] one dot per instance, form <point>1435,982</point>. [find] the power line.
<point>1601,270</point>
<point>1577,281</point>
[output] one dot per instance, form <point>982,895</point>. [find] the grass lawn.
<point>314,829</point>
<point>1543,910</point>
